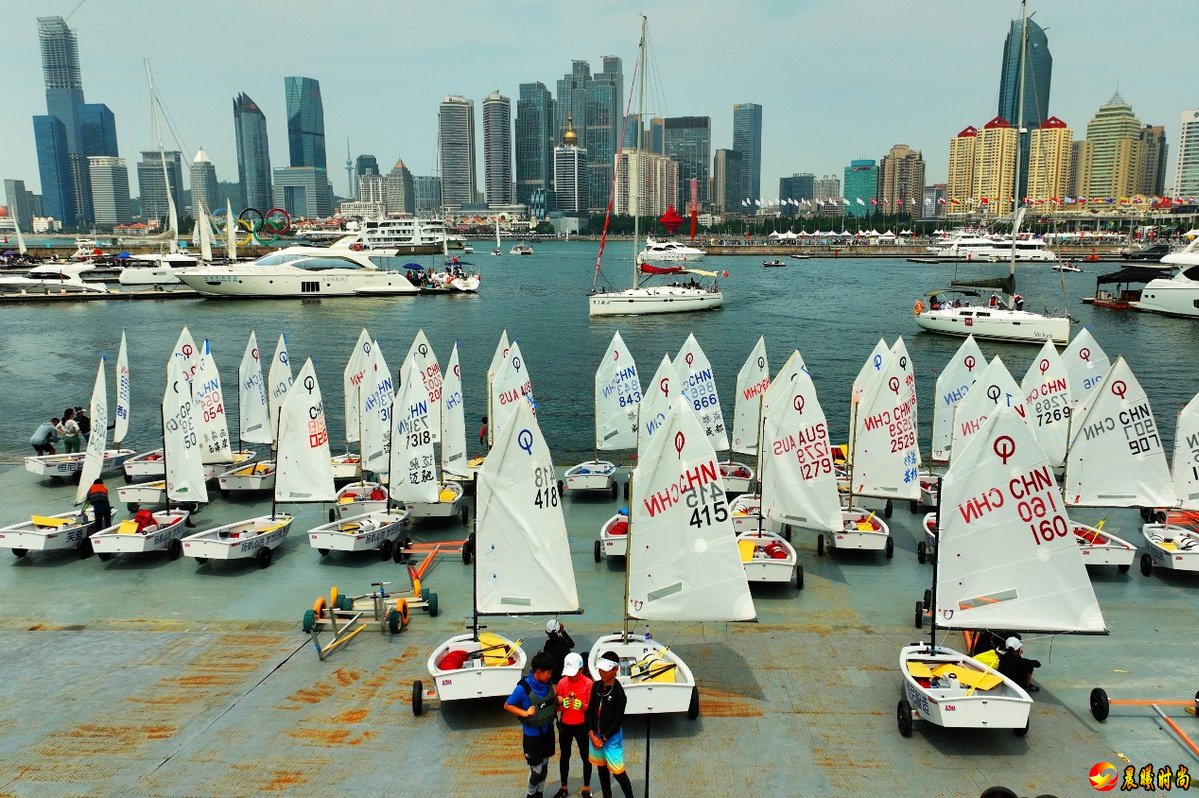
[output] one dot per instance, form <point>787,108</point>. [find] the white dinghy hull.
<point>672,691</point>
<point>171,525</point>
<point>955,704</point>
<point>368,531</point>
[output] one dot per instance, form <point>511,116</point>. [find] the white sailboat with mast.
<point>413,479</point>
<point>1171,535</point>
<point>617,397</point>
<point>752,382</point>
<point>259,475</point>
<point>456,464</point>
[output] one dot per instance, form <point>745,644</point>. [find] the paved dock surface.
<point>143,676</point>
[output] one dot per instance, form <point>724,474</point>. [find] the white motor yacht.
<point>302,271</point>
<point>51,278</point>
<point>156,270</point>
<point>1027,250</point>
<point>670,251</point>
<point>1177,295</point>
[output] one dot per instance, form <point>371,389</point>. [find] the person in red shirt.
<point>574,695</point>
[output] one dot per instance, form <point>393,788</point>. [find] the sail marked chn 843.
<point>617,397</point>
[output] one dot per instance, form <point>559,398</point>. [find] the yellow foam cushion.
<point>45,520</point>
<point>660,668</point>
<point>920,670</point>
<point>746,547</point>
<point>127,528</point>
<point>970,677</point>
<point>1168,545</point>
<point>497,649</point>
<point>264,468</point>
<point>350,527</point>
<point>988,658</point>
<point>347,500</point>
<point>272,527</point>
<point>447,495</point>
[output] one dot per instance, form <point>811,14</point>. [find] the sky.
<point>837,79</point>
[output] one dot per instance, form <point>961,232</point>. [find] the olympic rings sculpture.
<point>254,227</point>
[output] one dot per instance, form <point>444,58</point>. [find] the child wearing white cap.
<point>604,717</point>
<point>557,644</point>
<point>574,697</point>
<point>1014,665</point>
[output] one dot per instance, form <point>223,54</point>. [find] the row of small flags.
<point>803,203</point>
<point>1138,200</point>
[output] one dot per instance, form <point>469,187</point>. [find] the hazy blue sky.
<point>838,79</point>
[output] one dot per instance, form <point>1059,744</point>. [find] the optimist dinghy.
<point>953,384</point>
<point>752,381</point>
<point>412,477</point>
<point>698,383</point>
<point>617,397</point>
<point>522,565</point>
<point>374,530</point>
<point>69,530</point>
<point>456,465</point>
<point>165,533</point>
<point>995,570</point>
<point>683,563</point>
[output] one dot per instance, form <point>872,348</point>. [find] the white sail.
<point>752,381</point>
<point>655,404</point>
<point>787,374</point>
<point>97,439</point>
<point>352,377</point>
<point>16,226</point>
<point>617,397</point>
<point>522,550</point>
<point>123,393</point>
<point>253,412</point>
<point>1186,456</point>
<point>899,351</point>
<point>426,368</point>
<point>683,560</point>
<point>212,423</point>
<point>1006,555</point>
<point>870,372</point>
<point>304,470</point>
<point>955,381</point>
<point>186,350</point>
<point>497,359</point>
<point>205,230</point>
<point>994,387</point>
<point>510,387</point>
<point>1046,389</point>
<point>378,395</point>
<point>230,232</point>
<point>882,453</point>
<point>453,420</point>
<point>1117,458</point>
<point>799,482</point>
<point>1086,364</point>
<point>699,386</point>
<point>413,472</point>
<point>279,382</point>
<point>182,438</point>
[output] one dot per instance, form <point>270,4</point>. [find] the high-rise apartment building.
<point>646,184</point>
<point>253,155</point>
<point>1152,182</point>
<point>152,185</point>
<point>205,191</point>
<point>110,190</point>
<point>303,191</point>
<point>747,140</point>
<point>800,187</point>
<point>1075,159</point>
<point>534,143</point>
<point>960,185</point>
<point>995,167</point>
<point>827,193</point>
<point>456,138</point>
<point>1110,158</point>
<point>861,188</point>
<point>688,140</point>
<point>1051,148</point>
<point>570,173</point>
<point>399,190</point>
<point>727,181</point>
<point>603,134</point>
<point>54,169</point>
<point>1038,70</point>
<point>305,122</point>
<point>901,181</point>
<point>1186,176</point>
<point>428,194</point>
<point>497,148</point>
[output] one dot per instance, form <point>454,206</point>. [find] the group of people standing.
<point>588,715</point>
<point>72,429</point>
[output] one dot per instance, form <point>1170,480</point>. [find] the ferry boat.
<point>403,236</point>
<point>670,251</point>
<point>1026,250</point>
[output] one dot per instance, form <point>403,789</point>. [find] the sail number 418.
<point>547,487</point>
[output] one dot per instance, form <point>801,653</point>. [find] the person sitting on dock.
<point>1016,667</point>
<point>44,437</point>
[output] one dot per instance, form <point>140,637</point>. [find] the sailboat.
<point>456,464</point>
<point>952,385</point>
<point>413,479</point>
<point>149,465</point>
<point>753,380</point>
<point>683,564</point>
<point>698,384</point>
<point>522,566</point>
<point>497,250</point>
<point>1086,366</point>
<point>639,300</point>
<point>259,475</point>
<point>617,397</point>
<point>1173,536</point>
<point>995,570</point>
<point>184,482</point>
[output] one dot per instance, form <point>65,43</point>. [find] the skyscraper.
<point>456,137</point>
<point>688,140</point>
<point>901,181</point>
<point>1186,180</point>
<point>1110,158</point>
<point>204,183</point>
<point>727,181</point>
<point>571,101</point>
<point>861,187</point>
<point>497,148</point>
<point>604,120</point>
<point>152,187</point>
<point>1038,69</point>
<point>570,172</point>
<point>962,156</point>
<point>22,204</point>
<point>305,122</point>
<point>534,141</point>
<point>1051,147</point>
<point>253,154</point>
<point>799,187</point>
<point>428,194</point>
<point>1153,161</point>
<point>110,190</point>
<point>303,191</point>
<point>656,180</point>
<point>747,140</point>
<point>399,190</point>
<point>97,130</point>
<point>828,195</point>
<point>366,165</point>
<point>54,168</point>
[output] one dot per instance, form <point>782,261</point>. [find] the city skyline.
<point>836,113</point>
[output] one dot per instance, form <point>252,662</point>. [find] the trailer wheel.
<point>264,556</point>
<point>693,707</point>
<point>174,549</point>
<point>599,551</point>
<point>903,717</point>
<point>103,556</point>
<point>1146,564</point>
<point>201,561</point>
<point>19,553</point>
<point>997,792</point>
<point>1123,568</point>
<point>468,548</point>
<point>928,598</point>
<point>132,507</point>
<point>385,548</point>
<point>84,548</point>
<point>1022,731</point>
<point>345,603</point>
<point>418,697</point>
<point>323,552</point>
<point>919,615</point>
<point>820,545</point>
<point>431,601</point>
<point>308,621</point>
<point>888,508</point>
<point>464,515</point>
<point>1100,706</point>
<point>615,489</point>
<point>332,515</point>
<point>799,577</point>
<point>393,622</point>
<point>128,479</point>
<point>890,549</point>
<point>224,492</point>
<point>401,551</point>
<point>921,553</point>
<point>627,488</point>
<point>914,506</point>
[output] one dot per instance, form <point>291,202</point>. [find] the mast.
<point>172,219</point>
<point>635,165</point>
<point>1016,219</point>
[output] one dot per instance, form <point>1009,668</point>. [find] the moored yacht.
<point>155,270</point>
<point>1177,295</point>
<point>670,251</point>
<point>1027,249</point>
<point>51,278</point>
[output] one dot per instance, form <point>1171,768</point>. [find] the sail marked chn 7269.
<point>1046,388</point>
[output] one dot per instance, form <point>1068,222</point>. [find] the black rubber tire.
<point>397,553</point>
<point>1146,564</point>
<point>103,556</point>
<point>890,547</point>
<point>627,487</point>
<point>418,698</point>
<point>401,550</point>
<point>693,706</point>
<point>344,602</point>
<point>224,493</point>
<point>332,515</point>
<point>431,600</point>
<point>561,489</point>
<point>1023,731</point>
<point>998,792</point>
<point>264,557</point>
<point>385,549</point>
<point>888,509</point>
<point>468,548</point>
<point>1100,706</point>
<point>919,614</point>
<point>84,548</point>
<point>914,506</point>
<point>464,515</point>
<point>928,599</point>
<point>787,532</point>
<point>921,553</point>
<point>308,621</point>
<point>323,552</point>
<point>201,561</point>
<point>20,553</point>
<point>615,489</point>
<point>1123,568</point>
<point>174,549</point>
<point>799,577</point>
<point>820,545</point>
<point>903,717</point>
<point>394,626</point>
<point>599,551</point>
